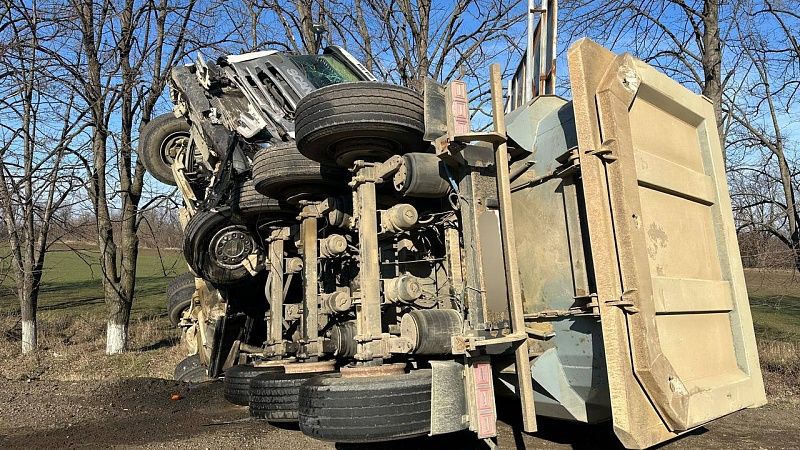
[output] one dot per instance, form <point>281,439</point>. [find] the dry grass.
<point>775,303</point>
<point>72,321</point>
<point>780,363</point>
<point>72,347</point>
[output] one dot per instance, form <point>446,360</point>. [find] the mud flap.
<point>448,397</point>
<point>678,335</point>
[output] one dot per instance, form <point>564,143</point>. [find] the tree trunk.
<point>120,299</point>
<point>117,326</point>
<point>788,193</point>
<point>119,310</point>
<point>28,310</point>
<point>712,63</point>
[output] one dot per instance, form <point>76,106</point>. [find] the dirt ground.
<point>139,413</point>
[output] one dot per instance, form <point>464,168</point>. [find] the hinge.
<point>570,163</point>
<point>625,302</point>
<point>590,308</point>
<point>587,309</point>
<point>606,151</point>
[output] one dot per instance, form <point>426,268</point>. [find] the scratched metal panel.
<point>570,377</point>
<point>678,336</point>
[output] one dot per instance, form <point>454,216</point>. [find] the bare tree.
<point>763,109</point>
<point>744,56</point>
<point>408,41</point>
<point>681,37</point>
<point>125,51</point>
<point>38,125</point>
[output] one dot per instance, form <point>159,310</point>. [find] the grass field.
<point>775,303</point>
<point>72,320</point>
<point>72,282</point>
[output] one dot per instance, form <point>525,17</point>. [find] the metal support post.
<point>275,338</point>
<point>310,318</point>
<point>523,364</point>
<point>368,308</point>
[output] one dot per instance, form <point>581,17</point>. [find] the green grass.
<point>72,282</point>
<point>775,303</point>
<point>72,326</point>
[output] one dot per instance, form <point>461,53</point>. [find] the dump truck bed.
<point>642,278</point>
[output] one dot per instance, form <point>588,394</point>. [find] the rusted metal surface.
<point>368,307</point>
<point>474,282</point>
<point>310,318</point>
<point>454,264</point>
<point>378,370</point>
<point>310,367</point>
<point>677,331</point>
<point>276,286</point>
<point>274,363</point>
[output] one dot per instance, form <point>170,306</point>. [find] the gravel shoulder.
<point>139,413</point>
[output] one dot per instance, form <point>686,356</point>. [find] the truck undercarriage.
<point>366,264</point>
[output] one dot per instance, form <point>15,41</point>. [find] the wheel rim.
<point>171,145</point>
<point>230,246</point>
<point>348,150</point>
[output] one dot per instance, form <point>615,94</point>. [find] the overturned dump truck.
<point>366,264</point>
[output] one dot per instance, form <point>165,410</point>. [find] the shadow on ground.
<point>140,413</point>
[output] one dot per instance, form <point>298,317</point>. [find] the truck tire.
<point>179,296</point>
<point>215,244</point>
<point>366,409</point>
<point>281,171</point>
<point>251,204</point>
<point>189,370</point>
<point>341,123</point>
<point>236,385</point>
<point>273,395</point>
<point>159,140</point>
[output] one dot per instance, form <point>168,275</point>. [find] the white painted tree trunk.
<point>116,338</point>
<point>28,336</point>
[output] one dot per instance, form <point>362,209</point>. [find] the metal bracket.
<point>492,137</point>
<point>278,234</point>
<point>589,309</point>
<point>570,163</point>
<point>606,151</point>
<point>625,302</point>
<point>472,344</point>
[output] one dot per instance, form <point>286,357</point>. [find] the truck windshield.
<point>322,70</point>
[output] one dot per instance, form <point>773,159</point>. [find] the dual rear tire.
<point>366,409</point>
<point>236,385</point>
<point>333,408</point>
<point>274,396</point>
<point>281,171</point>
